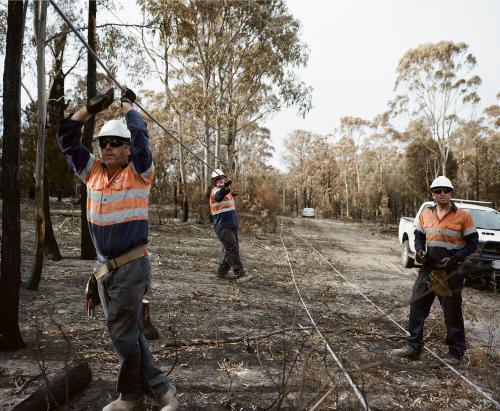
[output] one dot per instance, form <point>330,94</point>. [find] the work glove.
<point>420,256</point>
<point>92,299</point>
<point>448,263</point>
<point>227,183</point>
<point>128,96</point>
<point>235,193</point>
<point>100,102</point>
<point>438,283</point>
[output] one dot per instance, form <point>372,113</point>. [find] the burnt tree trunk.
<point>40,25</point>
<point>10,266</point>
<point>87,247</point>
<point>55,112</point>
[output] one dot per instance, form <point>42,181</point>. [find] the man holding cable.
<point>444,236</point>
<point>118,189</point>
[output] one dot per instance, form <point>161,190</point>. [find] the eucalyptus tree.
<point>353,130</point>
<point>437,88</point>
<point>237,58</point>
<point>40,15</point>
<point>471,150</point>
<point>300,148</point>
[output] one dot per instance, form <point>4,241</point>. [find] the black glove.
<point>227,183</point>
<point>448,263</point>
<point>420,256</point>
<point>128,96</point>
<point>100,102</point>
<point>92,298</point>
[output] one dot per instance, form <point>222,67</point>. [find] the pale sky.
<point>355,47</point>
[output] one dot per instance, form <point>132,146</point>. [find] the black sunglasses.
<point>441,191</point>
<point>113,142</point>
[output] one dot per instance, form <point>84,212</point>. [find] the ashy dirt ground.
<point>251,346</point>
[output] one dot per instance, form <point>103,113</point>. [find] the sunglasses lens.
<point>441,191</point>
<point>113,142</point>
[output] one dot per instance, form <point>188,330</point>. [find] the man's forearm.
<point>126,107</point>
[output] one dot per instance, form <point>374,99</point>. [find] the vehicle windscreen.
<point>488,220</point>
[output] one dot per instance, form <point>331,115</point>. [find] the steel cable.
<point>356,390</point>
<point>72,27</point>
<point>357,287</point>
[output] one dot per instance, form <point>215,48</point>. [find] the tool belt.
<point>113,263</point>
<point>438,283</point>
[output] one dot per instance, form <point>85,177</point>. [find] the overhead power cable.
<point>72,27</point>
<point>127,27</point>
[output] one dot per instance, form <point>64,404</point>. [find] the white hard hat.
<point>218,173</point>
<point>441,181</point>
<point>114,128</point>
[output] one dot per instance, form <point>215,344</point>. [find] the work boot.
<point>452,360</point>
<point>226,275</point>
<point>150,331</point>
<point>407,352</point>
<point>168,402</point>
<point>122,405</point>
<point>243,277</point>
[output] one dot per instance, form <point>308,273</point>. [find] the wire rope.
<point>356,390</point>
<point>72,27</point>
<point>357,287</point>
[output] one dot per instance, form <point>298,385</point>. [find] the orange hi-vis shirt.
<point>117,207</point>
<point>223,209</point>
<point>455,234</point>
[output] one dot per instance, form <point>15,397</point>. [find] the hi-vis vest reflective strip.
<point>123,198</point>
<point>217,207</point>
<point>446,233</point>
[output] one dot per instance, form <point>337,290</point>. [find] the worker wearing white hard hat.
<point>223,209</point>
<point>444,236</point>
<point>118,187</point>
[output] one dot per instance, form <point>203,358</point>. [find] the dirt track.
<point>250,346</point>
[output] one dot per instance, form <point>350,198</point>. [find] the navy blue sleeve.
<point>69,140</point>
<point>219,195</point>
<point>419,241</point>
<point>142,158</point>
<point>471,243</point>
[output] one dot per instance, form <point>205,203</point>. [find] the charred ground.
<point>251,346</point>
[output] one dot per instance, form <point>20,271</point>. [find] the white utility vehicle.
<point>483,263</point>
<point>308,212</point>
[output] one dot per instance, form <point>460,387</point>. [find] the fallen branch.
<point>234,340</point>
<point>60,388</point>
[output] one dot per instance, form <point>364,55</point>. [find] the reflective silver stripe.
<point>221,203</point>
<point>119,216</point>
<point>442,244</point>
<point>146,173</point>
<point>418,227</point>
<point>223,210</point>
<point>88,166</point>
<point>119,196</point>
<point>470,231</point>
<point>449,233</point>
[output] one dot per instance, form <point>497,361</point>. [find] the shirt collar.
<point>453,207</point>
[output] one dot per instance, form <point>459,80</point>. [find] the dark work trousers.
<point>229,240</point>
<point>121,293</point>
<point>421,302</point>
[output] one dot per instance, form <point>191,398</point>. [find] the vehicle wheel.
<point>406,260</point>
